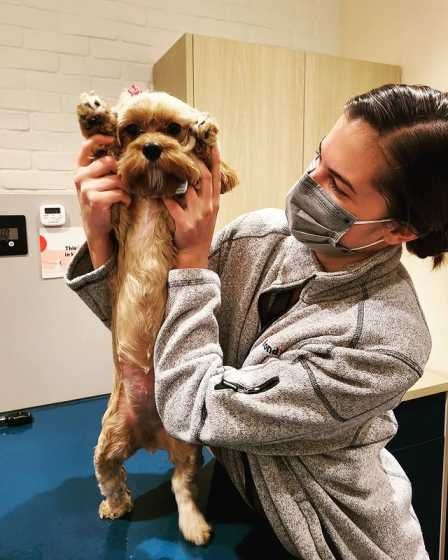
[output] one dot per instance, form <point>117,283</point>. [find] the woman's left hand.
<point>195,224</point>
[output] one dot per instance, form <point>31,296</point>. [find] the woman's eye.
<point>132,130</point>
<point>173,129</point>
<point>334,187</point>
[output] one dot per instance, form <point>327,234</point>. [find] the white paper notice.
<point>57,247</point>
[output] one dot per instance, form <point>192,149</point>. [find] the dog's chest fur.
<point>144,260</point>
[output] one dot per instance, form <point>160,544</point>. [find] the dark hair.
<point>412,122</point>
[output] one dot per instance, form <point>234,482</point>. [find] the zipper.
<point>261,331</point>
<point>240,388</point>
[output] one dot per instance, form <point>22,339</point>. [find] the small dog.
<point>157,138</point>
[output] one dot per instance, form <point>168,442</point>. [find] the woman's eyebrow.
<point>336,174</point>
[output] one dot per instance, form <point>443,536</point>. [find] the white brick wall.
<point>52,50</point>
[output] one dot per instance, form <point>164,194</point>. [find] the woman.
<point>288,342</point>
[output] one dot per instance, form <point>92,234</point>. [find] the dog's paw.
<point>195,529</point>
<point>109,511</point>
<point>94,115</point>
<point>207,131</point>
<point>93,101</point>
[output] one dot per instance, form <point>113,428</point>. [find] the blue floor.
<point>49,497</point>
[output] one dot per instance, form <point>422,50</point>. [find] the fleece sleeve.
<point>312,395</point>
<point>92,285</point>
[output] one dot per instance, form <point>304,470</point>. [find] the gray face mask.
<point>316,220</point>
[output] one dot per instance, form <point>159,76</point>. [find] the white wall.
<point>414,35</point>
<point>411,33</point>
<point>52,50</point>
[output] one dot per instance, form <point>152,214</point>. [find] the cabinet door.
<point>256,94</point>
<point>419,448</point>
<point>173,73</point>
<point>330,82</point>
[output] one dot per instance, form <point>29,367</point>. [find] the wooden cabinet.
<point>330,82</point>
<point>256,94</point>
<point>273,106</point>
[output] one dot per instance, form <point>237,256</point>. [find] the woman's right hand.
<point>98,187</point>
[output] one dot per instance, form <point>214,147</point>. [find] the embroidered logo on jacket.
<point>274,351</point>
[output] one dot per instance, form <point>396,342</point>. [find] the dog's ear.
<point>229,179</point>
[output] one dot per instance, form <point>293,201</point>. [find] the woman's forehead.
<point>352,149</point>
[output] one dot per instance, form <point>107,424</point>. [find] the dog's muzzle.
<point>152,151</point>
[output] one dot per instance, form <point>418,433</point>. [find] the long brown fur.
<point>146,253</point>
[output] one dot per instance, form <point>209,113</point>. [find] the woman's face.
<point>349,163</point>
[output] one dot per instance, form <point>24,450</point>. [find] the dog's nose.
<point>152,151</point>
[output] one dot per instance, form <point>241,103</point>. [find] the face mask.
<point>316,220</point>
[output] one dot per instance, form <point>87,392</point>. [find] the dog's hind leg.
<point>187,460</point>
<point>114,447</point>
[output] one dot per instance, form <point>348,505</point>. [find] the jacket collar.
<point>300,267</point>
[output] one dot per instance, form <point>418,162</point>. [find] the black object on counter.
<point>16,418</point>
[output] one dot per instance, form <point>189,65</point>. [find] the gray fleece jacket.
<point>299,407</point>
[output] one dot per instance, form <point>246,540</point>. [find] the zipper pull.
<point>239,388</point>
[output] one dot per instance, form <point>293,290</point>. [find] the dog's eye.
<point>132,130</point>
<point>173,129</point>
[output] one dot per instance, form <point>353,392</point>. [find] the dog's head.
<point>159,137</point>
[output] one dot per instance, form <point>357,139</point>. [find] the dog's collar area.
<point>181,189</point>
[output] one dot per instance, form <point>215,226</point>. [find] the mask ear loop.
<point>365,246</point>
<point>373,221</point>
<point>341,235</point>
<point>349,249</point>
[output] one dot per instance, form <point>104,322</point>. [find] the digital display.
<point>9,234</point>
<point>52,210</point>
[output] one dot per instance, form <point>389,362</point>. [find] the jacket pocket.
<point>323,550</point>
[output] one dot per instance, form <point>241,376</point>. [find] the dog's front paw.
<point>113,509</point>
<point>94,116</point>
<point>195,529</point>
<point>207,131</point>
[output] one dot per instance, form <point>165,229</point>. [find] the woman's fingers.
<point>89,146</point>
<point>106,199</point>
<point>98,191</point>
<point>106,183</point>
<point>98,168</point>
<point>175,209</point>
<point>216,172</point>
<point>206,190</point>
<point>191,195</point>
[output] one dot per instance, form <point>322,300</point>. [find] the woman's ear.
<point>396,233</point>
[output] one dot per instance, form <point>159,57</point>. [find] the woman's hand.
<point>195,224</point>
<point>98,187</point>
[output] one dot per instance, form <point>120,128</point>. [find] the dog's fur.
<point>146,253</point>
